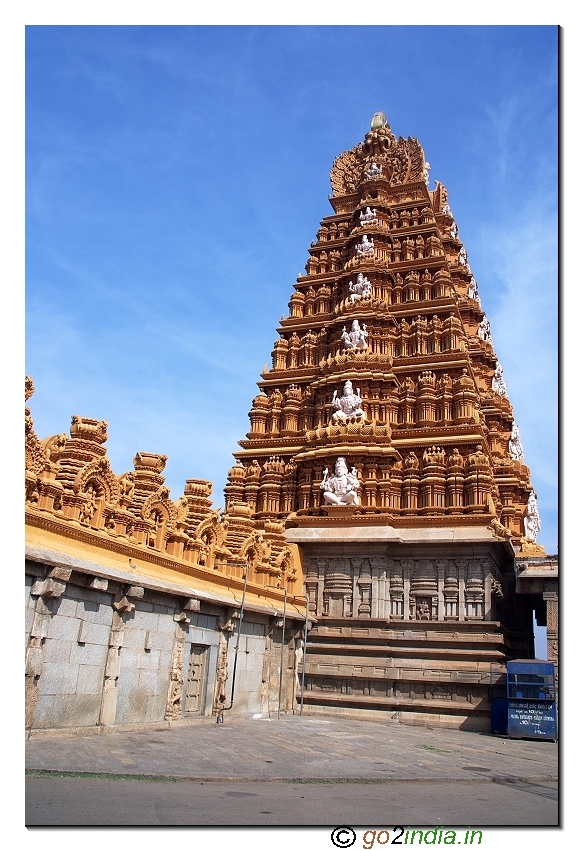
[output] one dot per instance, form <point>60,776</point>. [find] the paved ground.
<point>331,771</point>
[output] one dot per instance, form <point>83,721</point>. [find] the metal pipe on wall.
<point>282,649</point>
<point>307,598</point>
<point>241,612</point>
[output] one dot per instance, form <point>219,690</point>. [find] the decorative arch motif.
<point>214,528</point>
<point>400,160</point>
<point>100,472</point>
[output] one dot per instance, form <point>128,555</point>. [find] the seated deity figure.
<point>341,488</point>
<point>368,216</point>
<point>366,246</point>
<point>356,337</point>
<point>374,171</point>
<point>360,288</point>
<point>348,404</point>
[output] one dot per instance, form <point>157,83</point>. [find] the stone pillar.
<point>112,665</point>
<point>461,565</point>
<point>487,593</point>
<point>551,598</point>
<point>52,587</point>
<point>322,563</point>
<point>406,588</point>
<point>441,565</point>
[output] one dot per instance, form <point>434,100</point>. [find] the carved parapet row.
<point>353,429</point>
<point>70,479</point>
<point>404,588</point>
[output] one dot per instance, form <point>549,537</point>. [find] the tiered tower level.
<point>384,441</point>
<point>437,444</point>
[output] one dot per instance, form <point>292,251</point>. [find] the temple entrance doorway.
<point>195,683</point>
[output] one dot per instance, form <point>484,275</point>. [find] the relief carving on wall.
<point>422,589</point>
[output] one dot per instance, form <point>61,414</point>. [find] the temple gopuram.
<point>377,553</point>
<point>384,438</point>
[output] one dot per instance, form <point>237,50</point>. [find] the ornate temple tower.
<point>384,440</point>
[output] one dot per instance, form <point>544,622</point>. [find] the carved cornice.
<point>142,553</point>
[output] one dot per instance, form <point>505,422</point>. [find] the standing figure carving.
<point>498,382</point>
<point>532,523</point>
<point>426,170</point>
<point>515,444</point>
<point>484,331</point>
<point>348,404</point>
<point>473,291</point>
<point>356,337</point>
<point>342,487</point>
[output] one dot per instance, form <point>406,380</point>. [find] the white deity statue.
<point>361,288</point>
<point>426,170</point>
<point>532,523</point>
<point>347,404</point>
<point>484,331</point>
<point>498,383</point>
<point>446,209</point>
<point>463,257</point>
<point>341,488</point>
<point>368,216</point>
<point>374,171</point>
<point>366,246</point>
<point>473,291</point>
<point>515,444</point>
<point>453,231</point>
<point>356,337</point>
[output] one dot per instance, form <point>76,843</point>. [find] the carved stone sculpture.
<point>342,487</point>
<point>473,291</point>
<point>498,383</point>
<point>348,404</point>
<point>374,171</point>
<point>426,170</point>
<point>361,288</point>
<point>484,331</point>
<point>532,523</point>
<point>366,247</point>
<point>368,216</point>
<point>89,506</point>
<point>515,444</point>
<point>356,337</point>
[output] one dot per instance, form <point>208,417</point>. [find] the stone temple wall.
<point>104,655</point>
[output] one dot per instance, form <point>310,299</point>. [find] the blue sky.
<point>177,174</point>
